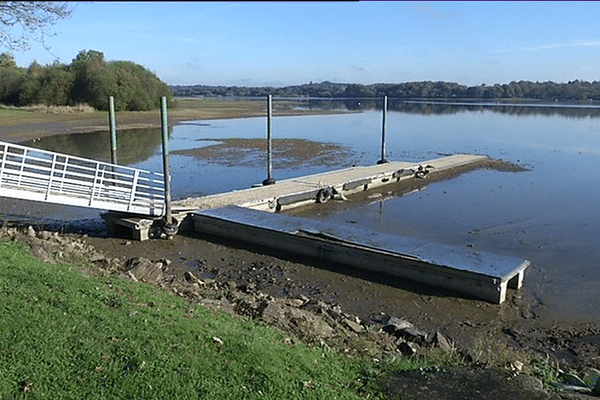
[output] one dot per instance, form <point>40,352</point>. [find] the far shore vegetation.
<point>522,90</point>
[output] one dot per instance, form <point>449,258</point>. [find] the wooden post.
<point>113,130</point>
<point>383,128</point>
<point>270,180</point>
<point>169,228</point>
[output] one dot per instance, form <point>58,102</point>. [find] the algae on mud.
<point>288,153</point>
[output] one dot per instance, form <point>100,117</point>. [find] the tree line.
<point>89,79</point>
<point>571,91</point>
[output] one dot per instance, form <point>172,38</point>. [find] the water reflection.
<point>433,107</point>
<point>133,146</point>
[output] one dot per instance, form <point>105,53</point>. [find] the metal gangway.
<point>33,174</point>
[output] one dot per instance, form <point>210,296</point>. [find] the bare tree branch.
<point>22,22</point>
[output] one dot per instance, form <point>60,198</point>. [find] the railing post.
<point>94,183</point>
<point>3,162</point>
<point>169,227</point>
<point>23,159</point>
<point>49,189</point>
<point>270,180</point>
<point>136,175</point>
<point>113,130</point>
<point>383,129</point>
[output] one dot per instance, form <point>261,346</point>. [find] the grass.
<point>40,108</point>
<point>69,335</point>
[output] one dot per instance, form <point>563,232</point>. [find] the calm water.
<point>549,214</point>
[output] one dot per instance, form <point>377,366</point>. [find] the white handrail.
<point>34,174</point>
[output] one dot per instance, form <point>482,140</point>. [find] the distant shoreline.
<point>20,125</point>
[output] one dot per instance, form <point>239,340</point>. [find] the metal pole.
<point>270,180</point>
<point>113,130</point>
<point>383,128</point>
<point>169,228</point>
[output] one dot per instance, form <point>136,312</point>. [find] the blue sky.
<point>289,43</point>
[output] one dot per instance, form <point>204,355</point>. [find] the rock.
<point>393,325</point>
<point>190,277</point>
<point>231,285</point>
<point>143,269</point>
<point>250,287</point>
<point>356,327</point>
<point>408,348</point>
<point>272,313</point>
<point>596,388</point>
<point>30,231</point>
<point>413,335</point>
<point>97,257</point>
<point>591,377</point>
<point>41,252</point>
<point>309,324</point>
<point>166,262</point>
<point>45,235</point>
<point>303,322</point>
<point>442,342</point>
<point>563,387</point>
<point>217,340</point>
<point>574,380</point>
<point>295,302</point>
<point>529,383</point>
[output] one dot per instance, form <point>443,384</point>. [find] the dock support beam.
<point>169,227</point>
<point>113,130</point>
<point>383,128</point>
<point>270,180</point>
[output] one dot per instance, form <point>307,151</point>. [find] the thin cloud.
<point>577,44</point>
<point>358,68</point>
<point>430,12</point>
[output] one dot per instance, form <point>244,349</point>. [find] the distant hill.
<point>570,91</point>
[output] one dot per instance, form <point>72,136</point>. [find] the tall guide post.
<point>113,130</point>
<point>383,129</point>
<point>169,227</point>
<point>270,180</point>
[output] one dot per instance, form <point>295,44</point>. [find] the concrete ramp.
<point>478,274</point>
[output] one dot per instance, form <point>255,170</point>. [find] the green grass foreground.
<point>65,334</point>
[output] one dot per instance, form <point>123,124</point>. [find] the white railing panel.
<point>34,174</point>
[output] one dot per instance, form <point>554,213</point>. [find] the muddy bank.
<point>286,153</point>
<point>301,299</point>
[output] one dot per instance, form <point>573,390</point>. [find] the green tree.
<point>11,79</point>
<point>7,61</point>
<point>56,83</point>
<point>92,82</point>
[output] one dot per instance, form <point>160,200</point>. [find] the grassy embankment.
<point>66,334</point>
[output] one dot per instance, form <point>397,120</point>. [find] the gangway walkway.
<point>34,174</point>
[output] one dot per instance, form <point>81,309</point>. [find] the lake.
<point>548,214</point>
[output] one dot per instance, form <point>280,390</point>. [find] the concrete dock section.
<point>252,216</point>
<point>294,192</point>
<point>299,191</point>
<point>472,273</point>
